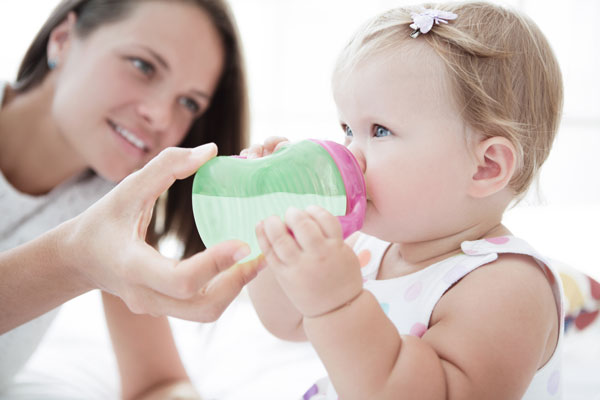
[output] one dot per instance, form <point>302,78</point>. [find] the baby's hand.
<point>316,269</point>
<point>271,145</point>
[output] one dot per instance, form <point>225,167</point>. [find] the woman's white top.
<point>23,218</point>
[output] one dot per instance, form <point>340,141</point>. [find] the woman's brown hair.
<point>224,123</point>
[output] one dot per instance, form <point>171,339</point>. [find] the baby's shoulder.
<point>513,282</point>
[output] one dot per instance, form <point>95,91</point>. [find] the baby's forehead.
<point>411,59</point>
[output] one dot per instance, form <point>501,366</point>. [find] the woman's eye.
<point>348,131</point>
<point>190,104</point>
<point>380,131</point>
<point>144,66</point>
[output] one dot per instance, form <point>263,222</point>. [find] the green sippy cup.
<point>231,195</point>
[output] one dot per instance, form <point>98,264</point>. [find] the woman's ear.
<point>496,164</point>
<point>59,40</point>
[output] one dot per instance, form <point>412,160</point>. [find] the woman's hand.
<point>105,246</point>
<point>270,146</point>
<point>313,265</point>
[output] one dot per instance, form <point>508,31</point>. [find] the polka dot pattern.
<point>413,291</point>
<point>364,256</point>
<point>410,298</point>
<point>457,272</point>
<point>498,240</point>
<point>554,382</point>
<point>418,330</point>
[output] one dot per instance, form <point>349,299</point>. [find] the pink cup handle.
<point>354,181</point>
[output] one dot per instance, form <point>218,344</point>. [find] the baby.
<point>450,112</point>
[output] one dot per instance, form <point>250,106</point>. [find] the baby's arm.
<point>275,310</point>
<point>487,336</point>
<point>273,307</point>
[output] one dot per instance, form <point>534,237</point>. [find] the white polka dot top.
<point>23,218</point>
<point>409,300</point>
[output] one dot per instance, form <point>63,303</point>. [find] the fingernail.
<point>241,253</point>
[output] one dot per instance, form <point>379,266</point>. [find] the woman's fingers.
<point>206,305</point>
<point>183,279</point>
<point>159,173</point>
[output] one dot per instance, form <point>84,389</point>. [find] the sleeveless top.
<point>409,300</point>
<point>23,218</point>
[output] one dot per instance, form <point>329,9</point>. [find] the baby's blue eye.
<point>189,104</point>
<point>144,66</point>
<point>380,131</point>
<point>348,131</point>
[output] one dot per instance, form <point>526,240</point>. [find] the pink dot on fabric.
<point>457,272</point>
<point>413,291</point>
<point>364,256</point>
<point>418,330</point>
<point>554,382</point>
<point>498,240</point>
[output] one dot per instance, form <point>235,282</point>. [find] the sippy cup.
<point>231,195</point>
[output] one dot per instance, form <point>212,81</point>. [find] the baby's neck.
<point>406,258</point>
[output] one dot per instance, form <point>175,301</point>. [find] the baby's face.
<point>402,125</point>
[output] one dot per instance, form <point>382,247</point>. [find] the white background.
<point>291,46</point>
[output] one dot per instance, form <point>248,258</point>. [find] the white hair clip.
<point>423,21</point>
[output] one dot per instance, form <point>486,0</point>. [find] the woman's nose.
<point>157,112</point>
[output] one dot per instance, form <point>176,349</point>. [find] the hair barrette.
<point>423,21</point>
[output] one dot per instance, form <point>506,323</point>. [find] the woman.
<point>105,86</point>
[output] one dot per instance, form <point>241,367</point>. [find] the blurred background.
<point>291,46</point>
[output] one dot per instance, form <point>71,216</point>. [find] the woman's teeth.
<point>131,138</point>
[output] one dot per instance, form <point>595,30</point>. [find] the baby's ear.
<point>496,163</point>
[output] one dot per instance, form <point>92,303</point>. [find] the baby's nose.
<point>360,158</point>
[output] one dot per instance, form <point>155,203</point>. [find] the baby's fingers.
<point>306,230</point>
<point>254,151</point>
<point>274,143</point>
<point>284,245</point>
<point>330,225</point>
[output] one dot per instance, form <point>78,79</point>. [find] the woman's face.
<point>132,88</point>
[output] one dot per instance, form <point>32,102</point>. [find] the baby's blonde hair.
<point>503,73</point>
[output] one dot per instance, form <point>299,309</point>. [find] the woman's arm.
<point>146,353</point>
<point>105,248</point>
<point>36,279</point>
